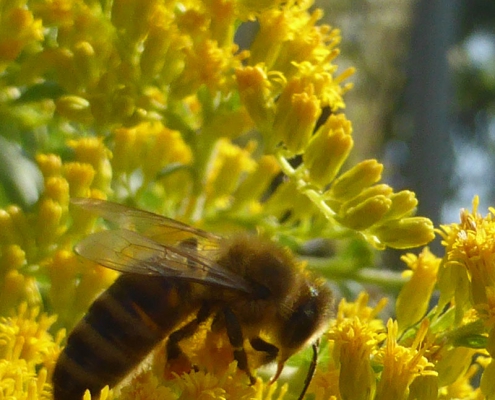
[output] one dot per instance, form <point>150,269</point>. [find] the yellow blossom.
<point>401,365</point>
<point>413,300</point>
<point>18,29</point>
<point>254,90</point>
<point>27,354</point>
<point>295,117</point>
<point>328,149</point>
<point>230,164</point>
<point>354,345</point>
<point>49,164</point>
<point>80,177</point>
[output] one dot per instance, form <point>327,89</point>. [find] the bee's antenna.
<point>311,370</point>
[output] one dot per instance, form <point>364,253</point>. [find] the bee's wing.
<point>157,227</point>
<point>130,252</point>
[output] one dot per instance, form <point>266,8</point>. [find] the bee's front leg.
<point>234,333</point>
<point>270,350</point>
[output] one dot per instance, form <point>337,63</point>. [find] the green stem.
<point>304,187</point>
<point>337,270</point>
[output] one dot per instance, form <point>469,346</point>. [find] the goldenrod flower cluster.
<point>154,104</point>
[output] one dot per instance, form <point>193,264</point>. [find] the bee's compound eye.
<point>307,318</point>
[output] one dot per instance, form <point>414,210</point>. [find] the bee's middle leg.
<point>234,333</point>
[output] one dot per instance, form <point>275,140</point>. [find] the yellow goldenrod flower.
<point>49,222</point>
<point>358,178</point>
<point>92,151</point>
<point>328,149</point>
<point>405,233</point>
<point>469,254</point>
<point>401,365</point>
<point>27,354</point>
<point>356,335</point>
<point>148,147</point>
<point>230,164</point>
<point>365,214</point>
<point>254,90</point>
<point>145,386</point>
<point>355,343</point>
<point>57,189</point>
<point>18,29</point>
<point>256,184</point>
<point>414,298</point>
<point>295,117</point>
<point>80,178</point>
<point>49,164</point>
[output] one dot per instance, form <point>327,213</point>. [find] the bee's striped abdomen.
<point>121,327</point>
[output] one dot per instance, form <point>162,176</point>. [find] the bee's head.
<point>308,318</point>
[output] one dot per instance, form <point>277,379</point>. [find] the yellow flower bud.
<point>273,31</point>
<point>327,151</point>
<point>365,214</point>
<point>12,290</point>
<point>132,17</point>
<point>123,160</point>
<point>163,146</point>
<point>155,49</point>
<point>414,297</point>
<point>15,228</point>
<point>406,233</point>
<point>49,164</point>
<point>84,58</point>
<point>89,150</point>
<point>12,257</point>
<point>295,119</point>
<point>48,224</point>
<point>57,188</point>
<point>254,89</point>
<point>63,271</point>
<point>230,163</point>
<point>74,108</point>
<point>8,235</point>
<point>19,28</point>
<point>373,191</point>
<point>80,177</point>
<point>355,180</point>
<point>403,204</point>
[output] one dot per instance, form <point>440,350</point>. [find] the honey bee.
<point>174,278</point>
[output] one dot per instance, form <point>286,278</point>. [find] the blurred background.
<point>423,102</point>
<point>424,96</point>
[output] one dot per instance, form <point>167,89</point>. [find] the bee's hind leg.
<point>175,356</point>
